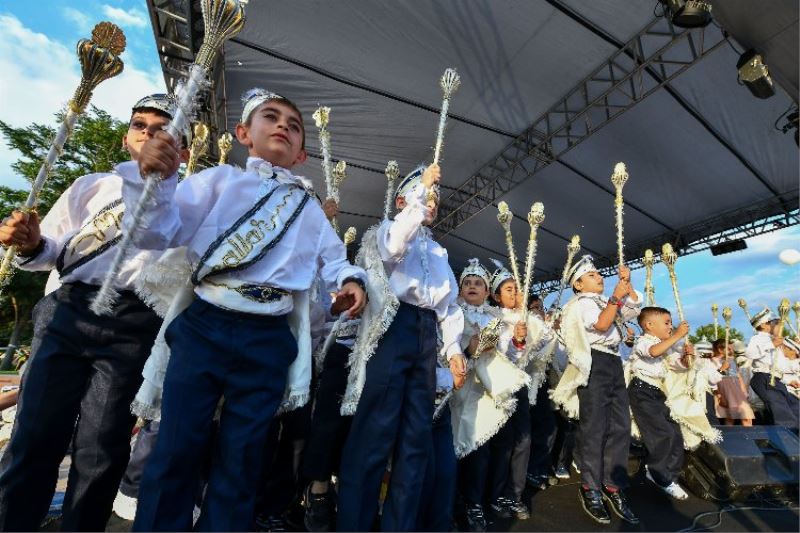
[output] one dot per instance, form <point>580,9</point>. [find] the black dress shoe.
<point>619,503</point>
<point>592,502</point>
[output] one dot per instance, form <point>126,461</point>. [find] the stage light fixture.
<point>728,247</point>
<point>755,74</point>
<point>688,13</point>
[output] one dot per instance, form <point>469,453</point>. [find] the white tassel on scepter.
<point>649,292</point>
<point>618,179</point>
<point>504,217</point>
<point>573,247</point>
<point>321,118</point>
<point>535,219</point>
<point>449,82</point>
<point>222,20</point>
<point>392,173</point>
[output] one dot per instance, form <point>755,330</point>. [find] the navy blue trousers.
<point>215,353</point>
<point>781,403</point>
<point>394,412</point>
<point>439,489</point>
<point>78,386</point>
<point>543,433</point>
<point>329,428</point>
<point>484,472</point>
<point>604,427</point>
<point>660,434</point>
<point>519,446</point>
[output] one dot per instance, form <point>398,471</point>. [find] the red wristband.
<point>518,344</point>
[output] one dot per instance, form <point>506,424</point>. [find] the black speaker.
<point>748,460</point>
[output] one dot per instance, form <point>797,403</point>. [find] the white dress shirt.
<point>74,209</point>
<point>196,211</point>
<point>653,369</point>
<point>590,305</point>
<point>418,269</point>
<point>761,351</point>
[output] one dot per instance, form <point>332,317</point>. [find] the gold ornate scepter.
<point>339,175</point>
<point>222,20</point>
<point>669,258</point>
<point>649,292</point>
<point>727,314</point>
<point>199,147</point>
<point>321,118</point>
<point>783,312</point>
<point>350,236</point>
<point>796,309</point>
<point>487,338</point>
<point>573,248</point>
<point>743,304</point>
<point>225,145</point>
<point>535,219</point>
<point>392,172</point>
<point>99,58</point>
<point>504,217</point>
<point>714,311</point>
<point>618,178</point>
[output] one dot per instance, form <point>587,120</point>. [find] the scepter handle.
<point>437,150</point>
<point>56,149</point>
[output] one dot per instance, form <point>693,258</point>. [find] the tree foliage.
<point>707,332</point>
<point>95,146</point>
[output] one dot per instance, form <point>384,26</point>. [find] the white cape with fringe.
<point>381,308</point>
<point>579,357</point>
<point>166,287</point>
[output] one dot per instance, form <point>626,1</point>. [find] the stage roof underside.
<point>553,93</point>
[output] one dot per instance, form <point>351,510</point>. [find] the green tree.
<point>95,146</point>
<point>707,331</point>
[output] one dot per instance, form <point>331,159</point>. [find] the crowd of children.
<point>286,380</point>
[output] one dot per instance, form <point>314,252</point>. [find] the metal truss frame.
<point>622,81</point>
<point>742,223</point>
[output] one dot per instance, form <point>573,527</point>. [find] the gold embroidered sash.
<point>95,237</point>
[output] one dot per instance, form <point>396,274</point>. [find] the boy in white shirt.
<point>655,354</point>
<point>255,243</point>
<point>592,326</point>
<point>392,384</point>
<point>84,370</point>
<point>764,350</point>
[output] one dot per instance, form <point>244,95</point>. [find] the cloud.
<point>81,19</point>
<point>135,18</point>
<point>33,89</point>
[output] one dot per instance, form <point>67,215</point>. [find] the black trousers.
<point>329,428</point>
<point>82,376</point>
<point>564,447</point>
<point>484,472</point>
<point>661,435</point>
<point>543,433</point>
<point>145,442</point>
<point>781,403</point>
<point>280,479</point>
<point>519,438</point>
<point>604,427</point>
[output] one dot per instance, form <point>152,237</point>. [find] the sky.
<point>40,71</point>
